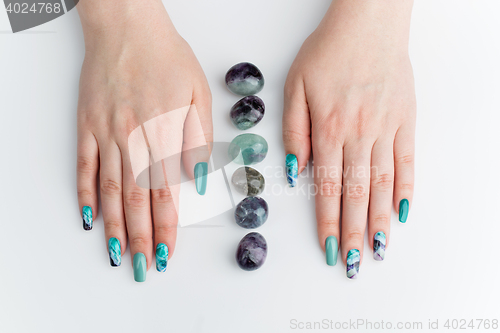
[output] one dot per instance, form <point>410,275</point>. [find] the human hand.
<point>137,68</point>
<point>350,97</point>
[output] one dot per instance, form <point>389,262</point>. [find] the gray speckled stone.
<point>251,212</point>
<point>248,181</point>
<point>244,79</point>
<point>252,251</point>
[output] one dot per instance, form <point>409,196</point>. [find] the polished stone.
<point>252,251</point>
<point>248,149</point>
<point>248,181</point>
<point>244,79</point>
<point>247,112</point>
<point>251,212</point>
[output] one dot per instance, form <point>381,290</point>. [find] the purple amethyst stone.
<point>244,79</point>
<point>252,251</point>
<point>251,212</point>
<point>247,112</point>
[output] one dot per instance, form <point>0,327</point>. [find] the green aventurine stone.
<point>248,149</point>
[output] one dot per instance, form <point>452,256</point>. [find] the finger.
<point>137,208</point>
<point>356,190</point>
<point>112,202</point>
<point>381,189</point>
<point>296,129</point>
<point>404,156</point>
<point>198,137</point>
<point>327,152</point>
<point>86,170</point>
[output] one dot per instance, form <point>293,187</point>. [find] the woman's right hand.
<point>137,68</point>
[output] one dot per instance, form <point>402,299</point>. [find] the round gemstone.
<point>247,112</point>
<point>248,181</point>
<point>248,149</point>
<point>252,251</point>
<point>251,212</point>
<point>244,79</point>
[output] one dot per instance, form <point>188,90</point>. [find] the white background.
<point>444,263</point>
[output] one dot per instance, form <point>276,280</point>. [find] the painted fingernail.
<point>404,206</point>
<point>161,257</point>
<point>379,246</point>
<point>140,267</point>
<point>115,252</point>
<point>200,177</point>
<point>331,249</point>
<point>87,218</point>
<point>353,263</point>
<point>292,169</point>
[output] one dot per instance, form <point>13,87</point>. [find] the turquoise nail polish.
<point>140,267</point>
<point>353,259</point>
<point>115,252</point>
<point>379,241</point>
<point>161,257</point>
<point>404,207</point>
<point>331,249</point>
<point>200,177</point>
<point>87,218</point>
<point>292,169</point>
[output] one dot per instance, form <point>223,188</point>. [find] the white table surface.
<point>443,264</point>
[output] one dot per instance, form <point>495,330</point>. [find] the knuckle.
<point>84,193</point>
<point>162,196</point>
<point>330,188</point>
<point>86,165</point>
<point>381,219</point>
<point>356,194</point>
<point>136,198</point>
<point>405,159</point>
<point>109,187</point>
<point>383,181</point>
<point>140,241</point>
<point>329,222</point>
<point>355,234</point>
<point>164,228</point>
<point>406,186</point>
<point>113,224</point>
<point>290,135</point>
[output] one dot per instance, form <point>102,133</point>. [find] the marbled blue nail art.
<point>353,259</point>
<point>292,169</point>
<point>115,252</point>
<point>161,257</point>
<point>87,218</point>
<point>379,246</point>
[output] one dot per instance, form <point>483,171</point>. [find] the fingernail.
<point>161,257</point>
<point>353,263</point>
<point>115,252</point>
<point>140,267</point>
<point>292,169</point>
<point>200,177</point>
<point>331,249</point>
<point>404,206</point>
<point>379,246</point>
<point>87,218</point>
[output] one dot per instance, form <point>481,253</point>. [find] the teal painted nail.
<point>292,170</point>
<point>115,252</point>
<point>87,218</point>
<point>140,267</point>
<point>200,177</point>
<point>379,241</point>
<point>161,257</point>
<point>331,249</point>
<point>353,259</point>
<point>404,207</point>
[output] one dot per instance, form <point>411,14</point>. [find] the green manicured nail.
<point>404,207</point>
<point>115,252</point>
<point>331,249</point>
<point>140,267</point>
<point>161,257</point>
<point>87,218</point>
<point>200,177</point>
